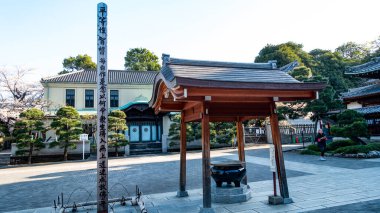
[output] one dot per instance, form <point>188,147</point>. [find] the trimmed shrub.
<point>358,149</point>
<point>342,143</point>
<point>350,124</point>
<point>313,147</point>
<point>309,152</point>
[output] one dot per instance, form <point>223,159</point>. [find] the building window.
<point>70,97</point>
<point>114,98</point>
<point>89,98</point>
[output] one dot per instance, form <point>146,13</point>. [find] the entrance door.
<point>145,133</point>
<point>135,134</point>
<point>154,133</point>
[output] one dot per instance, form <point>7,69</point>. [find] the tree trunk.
<point>65,153</point>
<point>30,153</point>
<point>117,153</point>
<point>358,140</point>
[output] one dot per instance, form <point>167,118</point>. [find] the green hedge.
<point>309,152</point>
<point>313,147</point>
<point>358,149</point>
<point>338,144</point>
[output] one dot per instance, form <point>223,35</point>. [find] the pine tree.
<point>116,125</point>
<point>220,132</point>
<point>28,132</point>
<point>68,127</point>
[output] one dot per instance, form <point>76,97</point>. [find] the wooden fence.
<point>255,135</point>
<point>289,134</point>
<point>297,133</point>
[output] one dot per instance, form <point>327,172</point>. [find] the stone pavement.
<point>336,185</point>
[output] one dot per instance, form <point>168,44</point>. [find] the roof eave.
<point>180,81</point>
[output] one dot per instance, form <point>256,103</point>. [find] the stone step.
<point>156,145</point>
<point>145,151</point>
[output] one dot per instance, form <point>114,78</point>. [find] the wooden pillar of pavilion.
<point>281,173</point>
<point>182,175</point>
<point>206,158</point>
<point>241,151</point>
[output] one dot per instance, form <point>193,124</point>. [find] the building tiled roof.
<point>369,67</point>
<point>225,71</point>
<point>114,77</point>
<point>369,110</point>
<point>289,67</point>
<point>362,91</point>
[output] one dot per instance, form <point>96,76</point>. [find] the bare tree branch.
<point>17,94</point>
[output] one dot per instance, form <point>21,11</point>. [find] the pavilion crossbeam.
<point>233,119</point>
<point>221,92</point>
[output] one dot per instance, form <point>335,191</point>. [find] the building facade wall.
<point>55,93</point>
<point>354,105</point>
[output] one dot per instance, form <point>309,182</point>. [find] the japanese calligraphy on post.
<point>102,110</point>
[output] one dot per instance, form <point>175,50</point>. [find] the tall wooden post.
<point>206,158</point>
<point>281,173</point>
<point>182,175</point>
<point>102,111</point>
<point>241,151</point>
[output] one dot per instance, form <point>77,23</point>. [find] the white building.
<point>129,91</point>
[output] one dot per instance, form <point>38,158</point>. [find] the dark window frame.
<point>89,98</point>
<point>70,97</point>
<point>114,98</point>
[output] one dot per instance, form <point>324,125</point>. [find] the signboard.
<point>83,137</point>
<point>272,158</point>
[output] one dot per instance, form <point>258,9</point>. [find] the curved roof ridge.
<point>147,71</point>
<point>206,63</point>
<point>114,77</point>
<point>371,66</point>
<point>362,91</point>
<point>375,109</point>
<point>59,75</point>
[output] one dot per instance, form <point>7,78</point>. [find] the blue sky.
<point>39,34</point>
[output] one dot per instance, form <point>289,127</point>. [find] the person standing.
<point>321,141</point>
<point>234,142</point>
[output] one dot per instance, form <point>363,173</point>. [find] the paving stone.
<point>247,211</point>
<point>243,206</point>
<point>362,207</point>
<point>312,203</point>
<point>278,208</point>
<point>345,197</point>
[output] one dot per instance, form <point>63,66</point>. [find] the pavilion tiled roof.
<point>139,100</point>
<point>362,91</point>
<point>114,77</point>
<point>183,75</point>
<point>225,71</point>
<point>369,110</point>
<point>363,69</point>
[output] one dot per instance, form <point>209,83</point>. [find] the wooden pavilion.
<point>209,91</point>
